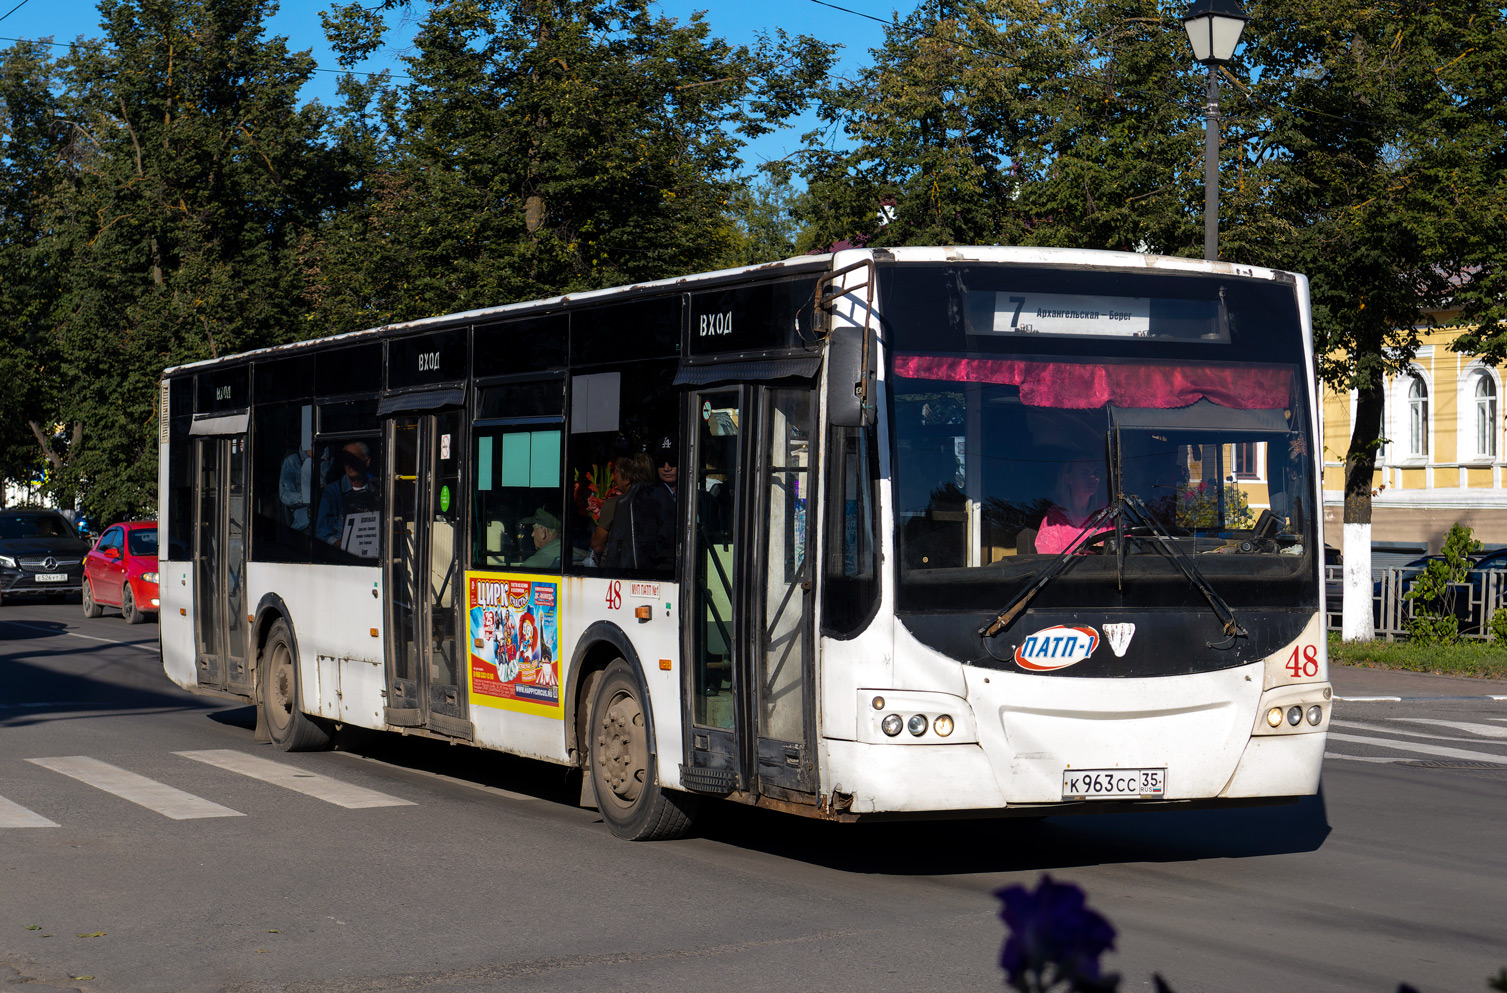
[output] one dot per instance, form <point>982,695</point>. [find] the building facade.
<point>1442,461</point>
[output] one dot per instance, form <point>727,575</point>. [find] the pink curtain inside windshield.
<point>1081,386</point>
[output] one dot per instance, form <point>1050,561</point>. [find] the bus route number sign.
<point>1113,784</point>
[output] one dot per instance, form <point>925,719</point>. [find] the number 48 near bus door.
<point>1308,666</point>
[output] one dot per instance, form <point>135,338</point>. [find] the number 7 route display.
<point>513,632</point>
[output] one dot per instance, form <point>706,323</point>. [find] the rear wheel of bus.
<point>628,793</point>
<point>278,697</point>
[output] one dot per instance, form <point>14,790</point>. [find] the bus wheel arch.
<point>279,697</point>
<point>599,645</point>
<point>622,765</point>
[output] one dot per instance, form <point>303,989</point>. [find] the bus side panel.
<point>175,630</point>
<point>336,616</point>
<point>588,600</point>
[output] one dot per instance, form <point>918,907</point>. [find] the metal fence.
<point>1473,601</point>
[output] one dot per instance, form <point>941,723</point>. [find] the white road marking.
<point>1484,730</point>
<point>1407,746</point>
<point>86,637</point>
<point>1363,758</point>
<point>1370,699</point>
<point>1384,729</point>
<point>13,815</point>
<point>164,799</point>
<point>308,783</point>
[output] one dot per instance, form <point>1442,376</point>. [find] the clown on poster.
<point>514,637</point>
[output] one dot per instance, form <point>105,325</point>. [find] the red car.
<point>121,571</point>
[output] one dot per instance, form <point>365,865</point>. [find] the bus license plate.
<point>1113,784</point>
<point>51,577</point>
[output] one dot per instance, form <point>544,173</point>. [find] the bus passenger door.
<point>220,626</point>
<point>423,576</point>
<point>750,724</point>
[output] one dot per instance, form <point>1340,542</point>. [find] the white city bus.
<point>942,532</point>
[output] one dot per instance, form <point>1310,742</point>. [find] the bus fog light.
<point>942,725</point>
<point>891,724</point>
<point>879,703</point>
<point>1315,714</point>
<point>1294,715</point>
<point>1274,717</point>
<point>917,725</point>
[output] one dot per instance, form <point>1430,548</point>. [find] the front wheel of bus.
<point>287,725</point>
<point>628,793</point>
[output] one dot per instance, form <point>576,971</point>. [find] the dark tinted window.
<point>357,369</point>
<point>417,360</point>
<point>34,526</point>
<point>283,480</point>
<point>753,318</point>
<point>222,389</point>
<point>291,378</point>
<point>613,415</point>
<point>351,417</point>
<point>347,512</point>
<point>539,398</point>
<point>634,329</point>
<point>180,495</point>
<point>181,392</point>
<point>529,345</point>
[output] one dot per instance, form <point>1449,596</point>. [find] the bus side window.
<point>346,473</point>
<point>850,590</point>
<point>284,483</point>
<point>517,500</point>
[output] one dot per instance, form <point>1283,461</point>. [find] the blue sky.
<point>735,20</point>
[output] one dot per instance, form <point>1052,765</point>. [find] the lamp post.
<point>1213,28</point>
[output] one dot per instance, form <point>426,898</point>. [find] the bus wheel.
<point>287,725</point>
<point>627,790</point>
<point>91,609</point>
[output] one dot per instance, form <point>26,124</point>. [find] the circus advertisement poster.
<point>514,636</point>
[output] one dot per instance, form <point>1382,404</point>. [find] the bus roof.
<point>1075,257</point>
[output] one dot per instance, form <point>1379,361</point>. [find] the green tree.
<point>33,136</point>
<point>174,236</point>
<point>543,147</point>
<point>1381,160</point>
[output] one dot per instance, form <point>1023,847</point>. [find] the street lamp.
<point>1213,28</point>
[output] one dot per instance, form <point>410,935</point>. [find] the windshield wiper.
<point>1232,628</point>
<point>1018,603</point>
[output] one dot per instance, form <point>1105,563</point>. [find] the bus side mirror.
<point>850,384</point>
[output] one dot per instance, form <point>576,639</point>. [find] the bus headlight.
<point>917,724</point>
<point>891,724</point>
<point>1274,717</point>
<point>1315,714</point>
<point>942,725</point>
<point>1294,715</point>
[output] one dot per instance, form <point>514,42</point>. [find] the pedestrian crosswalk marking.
<point>165,800</point>
<point>13,815</point>
<point>1409,746</point>
<point>288,777</point>
<point>1363,726</point>
<point>1484,730</point>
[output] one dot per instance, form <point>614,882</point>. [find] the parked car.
<point>121,571</point>
<point>40,555</point>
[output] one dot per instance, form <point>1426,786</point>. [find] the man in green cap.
<point>546,532</point>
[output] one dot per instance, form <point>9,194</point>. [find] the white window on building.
<point>1418,418</point>
<point>1486,416</point>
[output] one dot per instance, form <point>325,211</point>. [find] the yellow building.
<point>1442,461</point>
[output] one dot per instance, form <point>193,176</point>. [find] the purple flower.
<point>1054,938</point>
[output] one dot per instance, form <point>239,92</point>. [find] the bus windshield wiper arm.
<point>1232,628</point>
<point>1018,603</point>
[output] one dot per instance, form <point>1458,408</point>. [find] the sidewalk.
<point>1359,681</point>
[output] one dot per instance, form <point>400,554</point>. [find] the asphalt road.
<point>400,864</point>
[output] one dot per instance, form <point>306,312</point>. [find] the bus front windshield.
<point>1124,450</point>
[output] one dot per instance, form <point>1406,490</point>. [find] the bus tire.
<point>279,697</point>
<point>91,609</point>
<point>628,794</point>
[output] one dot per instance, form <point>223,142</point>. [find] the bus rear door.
<point>423,575</point>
